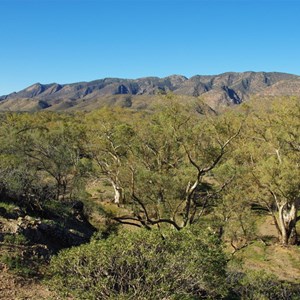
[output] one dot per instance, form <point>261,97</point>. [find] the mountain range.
<point>217,91</point>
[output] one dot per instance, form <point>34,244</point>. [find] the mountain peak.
<point>217,90</point>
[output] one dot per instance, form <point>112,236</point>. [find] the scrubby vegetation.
<point>176,194</point>
<point>143,265</point>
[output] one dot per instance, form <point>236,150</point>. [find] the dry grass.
<point>269,255</point>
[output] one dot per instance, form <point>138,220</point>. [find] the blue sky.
<point>81,40</point>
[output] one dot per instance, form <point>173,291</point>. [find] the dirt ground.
<point>13,287</point>
<point>271,256</point>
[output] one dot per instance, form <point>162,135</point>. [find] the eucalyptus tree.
<point>171,164</point>
<point>47,146</point>
<point>276,164</point>
<point>270,163</point>
<point>109,138</point>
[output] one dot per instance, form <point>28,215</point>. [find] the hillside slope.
<point>216,90</point>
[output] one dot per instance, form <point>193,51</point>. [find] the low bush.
<point>143,265</point>
<point>258,285</point>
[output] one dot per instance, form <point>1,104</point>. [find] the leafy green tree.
<point>44,151</point>
<point>271,164</point>
<point>109,138</point>
<point>171,161</point>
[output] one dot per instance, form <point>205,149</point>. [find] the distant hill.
<point>217,91</point>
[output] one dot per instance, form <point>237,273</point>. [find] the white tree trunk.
<point>118,193</point>
<point>287,222</point>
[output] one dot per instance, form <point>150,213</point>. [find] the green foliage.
<point>168,168</point>
<point>268,162</point>
<point>258,285</point>
<point>59,208</point>
<point>41,157</point>
<point>17,265</point>
<point>9,207</point>
<point>143,265</point>
<point>20,257</point>
<point>15,239</point>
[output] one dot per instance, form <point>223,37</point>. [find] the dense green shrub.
<point>143,265</point>
<point>258,285</point>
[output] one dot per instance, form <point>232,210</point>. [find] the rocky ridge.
<point>216,90</point>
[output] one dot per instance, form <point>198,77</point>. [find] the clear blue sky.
<point>81,40</point>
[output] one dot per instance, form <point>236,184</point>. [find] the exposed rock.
<point>8,226</point>
<point>54,235</point>
<point>219,90</point>
<point>50,233</point>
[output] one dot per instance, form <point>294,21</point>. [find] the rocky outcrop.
<point>53,235</point>
<point>218,90</point>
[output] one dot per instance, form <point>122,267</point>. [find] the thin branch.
<point>278,156</point>
<point>238,248</point>
<point>32,128</point>
<point>127,223</point>
<point>222,152</point>
<point>154,222</point>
